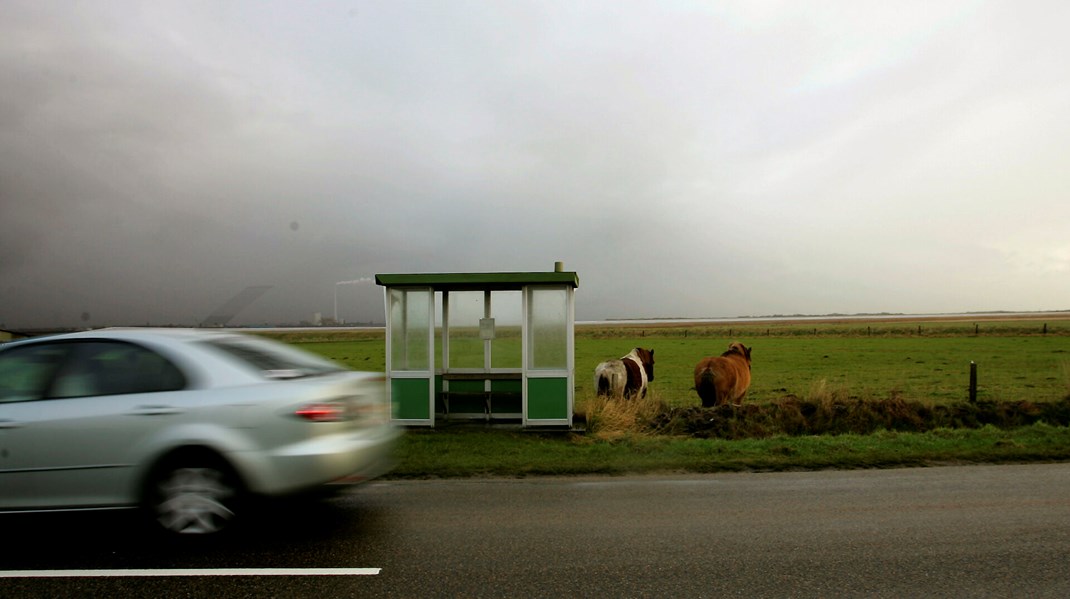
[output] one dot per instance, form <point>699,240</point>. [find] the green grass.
<point>923,368</point>
<point>1018,361</point>
<point>478,452</point>
<point>364,354</point>
<point>1014,362</point>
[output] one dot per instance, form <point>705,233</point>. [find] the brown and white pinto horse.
<point>725,378</point>
<point>626,377</point>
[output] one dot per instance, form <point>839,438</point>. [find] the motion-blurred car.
<point>187,424</point>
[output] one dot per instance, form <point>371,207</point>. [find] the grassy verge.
<point>476,452</point>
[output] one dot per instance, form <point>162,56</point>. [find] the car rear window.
<point>273,360</point>
<point>84,368</point>
<point>26,371</point>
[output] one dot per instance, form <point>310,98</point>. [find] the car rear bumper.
<point>347,458</point>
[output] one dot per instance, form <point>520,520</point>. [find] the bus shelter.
<point>493,347</point>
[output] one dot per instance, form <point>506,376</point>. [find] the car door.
<point>26,371</point>
<point>91,429</point>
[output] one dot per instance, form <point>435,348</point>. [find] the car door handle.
<point>155,411</point>
<point>10,424</point>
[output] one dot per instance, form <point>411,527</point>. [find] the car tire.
<point>194,493</point>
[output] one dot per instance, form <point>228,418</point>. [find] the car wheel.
<point>194,495</point>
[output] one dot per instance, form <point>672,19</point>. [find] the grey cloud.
<point>685,160</point>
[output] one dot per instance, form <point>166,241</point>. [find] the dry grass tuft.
<point>615,418</point>
<point>824,395</point>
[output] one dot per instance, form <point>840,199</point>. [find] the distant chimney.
<point>559,267</point>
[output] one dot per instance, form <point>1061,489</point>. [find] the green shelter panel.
<point>439,405</point>
<point>410,399</point>
<point>547,398</point>
<point>507,386</point>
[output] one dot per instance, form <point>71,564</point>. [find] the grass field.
<point>918,368</point>
<point>1019,361</point>
<point>914,360</point>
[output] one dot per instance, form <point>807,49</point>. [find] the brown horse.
<point>724,378</point>
<point>626,377</point>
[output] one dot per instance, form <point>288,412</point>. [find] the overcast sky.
<point>687,159</point>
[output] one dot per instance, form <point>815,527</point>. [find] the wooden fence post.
<point>973,382</point>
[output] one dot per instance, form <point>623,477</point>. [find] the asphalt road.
<point>977,531</point>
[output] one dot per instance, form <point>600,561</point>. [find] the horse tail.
<point>706,387</point>
<point>603,384</point>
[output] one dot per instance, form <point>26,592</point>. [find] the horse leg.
<point>722,396</point>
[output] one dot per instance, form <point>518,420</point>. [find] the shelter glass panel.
<point>466,345</point>
<point>548,329</point>
<point>506,349</point>
<point>410,329</point>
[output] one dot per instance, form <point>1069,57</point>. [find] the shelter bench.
<point>486,396</point>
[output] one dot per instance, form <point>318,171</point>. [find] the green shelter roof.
<point>475,281</point>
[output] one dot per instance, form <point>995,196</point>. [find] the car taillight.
<point>323,412</point>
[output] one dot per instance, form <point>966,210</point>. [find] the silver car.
<point>188,424</point>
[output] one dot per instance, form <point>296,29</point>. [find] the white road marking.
<point>191,572</point>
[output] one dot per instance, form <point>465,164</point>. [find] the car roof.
<point>166,335</point>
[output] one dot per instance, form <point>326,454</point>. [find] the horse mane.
<point>737,349</point>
